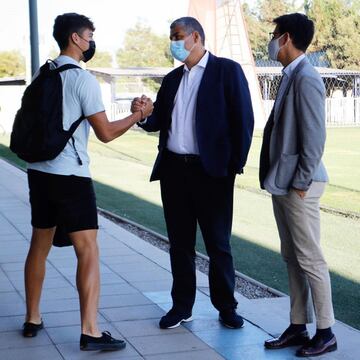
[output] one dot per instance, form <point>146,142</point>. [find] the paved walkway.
<point>135,285</point>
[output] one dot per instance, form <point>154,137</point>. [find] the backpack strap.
<point>67,67</point>
<point>75,125</point>
<point>76,152</point>
<point>46,68</point>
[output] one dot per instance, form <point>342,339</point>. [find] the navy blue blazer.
<point>224,117</point>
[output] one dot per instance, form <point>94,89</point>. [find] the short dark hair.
<point>300,28</point>
<point>190,25</point>
<point>67,24</point>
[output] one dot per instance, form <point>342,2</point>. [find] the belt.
<point>185,158</point>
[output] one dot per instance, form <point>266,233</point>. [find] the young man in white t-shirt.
<point>61,190</point>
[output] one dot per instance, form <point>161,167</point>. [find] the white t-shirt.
<point>81,95</point>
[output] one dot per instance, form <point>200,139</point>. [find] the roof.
<point>161,72</point>
<point>12,81</point>
<point>131,71</point>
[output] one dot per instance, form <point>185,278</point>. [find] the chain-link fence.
<point>342,89</point>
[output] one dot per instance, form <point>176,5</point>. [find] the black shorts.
<point>59,200</point>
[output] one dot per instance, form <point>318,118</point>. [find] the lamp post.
<point>34,36</point>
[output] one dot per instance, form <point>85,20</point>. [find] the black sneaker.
<point>173,319</point>
<point>231,319</point>
<point>105,342</point>
<point>31,330</point>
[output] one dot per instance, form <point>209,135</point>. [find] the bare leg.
<point>87,279</point>
<point>35,267</point>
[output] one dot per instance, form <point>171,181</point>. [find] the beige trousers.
<point>298,222</point>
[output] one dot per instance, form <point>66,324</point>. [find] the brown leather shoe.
<point>317,346</point>
<point>285,340</point>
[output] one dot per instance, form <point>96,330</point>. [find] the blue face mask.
<point>178,50</point>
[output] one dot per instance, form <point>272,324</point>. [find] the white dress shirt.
<point>182,133</point>
<point>287,73</point>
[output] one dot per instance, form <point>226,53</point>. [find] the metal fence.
<point>119,109</point>
<point>338,111</point>
<point>342,93</point>
<point>343,111</point>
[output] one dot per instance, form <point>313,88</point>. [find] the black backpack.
<point>37,133</point>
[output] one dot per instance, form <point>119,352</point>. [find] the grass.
<point>122,168</point>
<point>342,161</point>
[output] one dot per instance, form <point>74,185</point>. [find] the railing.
<point>120,109</point>
<point>339,111</point>
<point>343,111</point>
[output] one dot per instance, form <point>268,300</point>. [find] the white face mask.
<point>274,48</point>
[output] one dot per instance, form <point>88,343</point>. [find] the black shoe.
<point>231,319</point>
<point>174,319</point>
<point>317,346</point>
<point>288,339</point>
<point>105,342</point>
<point>30,329</point>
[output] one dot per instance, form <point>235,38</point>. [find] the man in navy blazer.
<point>204,114</point>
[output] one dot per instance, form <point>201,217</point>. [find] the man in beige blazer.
<point>292,171</point>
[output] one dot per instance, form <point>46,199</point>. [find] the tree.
<point>337,24</point>
<point>260,22</point>
<point>53,53</point>
<point>100,59</point>
<point>257,33</point>
<point>12,63</point>
<point>269,10</point>
<point>144,48</point>
<point>337,31</point>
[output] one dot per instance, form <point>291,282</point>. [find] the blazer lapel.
<point>171,89</point>
<point>208,81</point>
<point>173,86</point>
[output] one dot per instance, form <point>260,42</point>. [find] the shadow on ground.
<point>251,259</point>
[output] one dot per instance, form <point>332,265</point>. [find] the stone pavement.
<point>135,293</point>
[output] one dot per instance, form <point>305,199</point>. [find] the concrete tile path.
<point>135,293</point>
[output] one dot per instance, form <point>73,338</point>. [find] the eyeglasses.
<point>274,34</point>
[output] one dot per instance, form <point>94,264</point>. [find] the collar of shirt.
<point>64,59</point>
<point>202,63</point>
<point>291,67</point>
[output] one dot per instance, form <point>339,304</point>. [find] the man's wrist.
<point>139,115</point>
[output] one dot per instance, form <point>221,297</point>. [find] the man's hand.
<point>143,104</point>
<point>148,106</point>
<point>301,193</point>
<point>136,105</point>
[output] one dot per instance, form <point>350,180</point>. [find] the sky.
<point>111,18</point>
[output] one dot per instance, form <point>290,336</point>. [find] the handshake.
<point>143,104</point>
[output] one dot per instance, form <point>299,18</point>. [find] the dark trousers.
<point>190,196</point>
